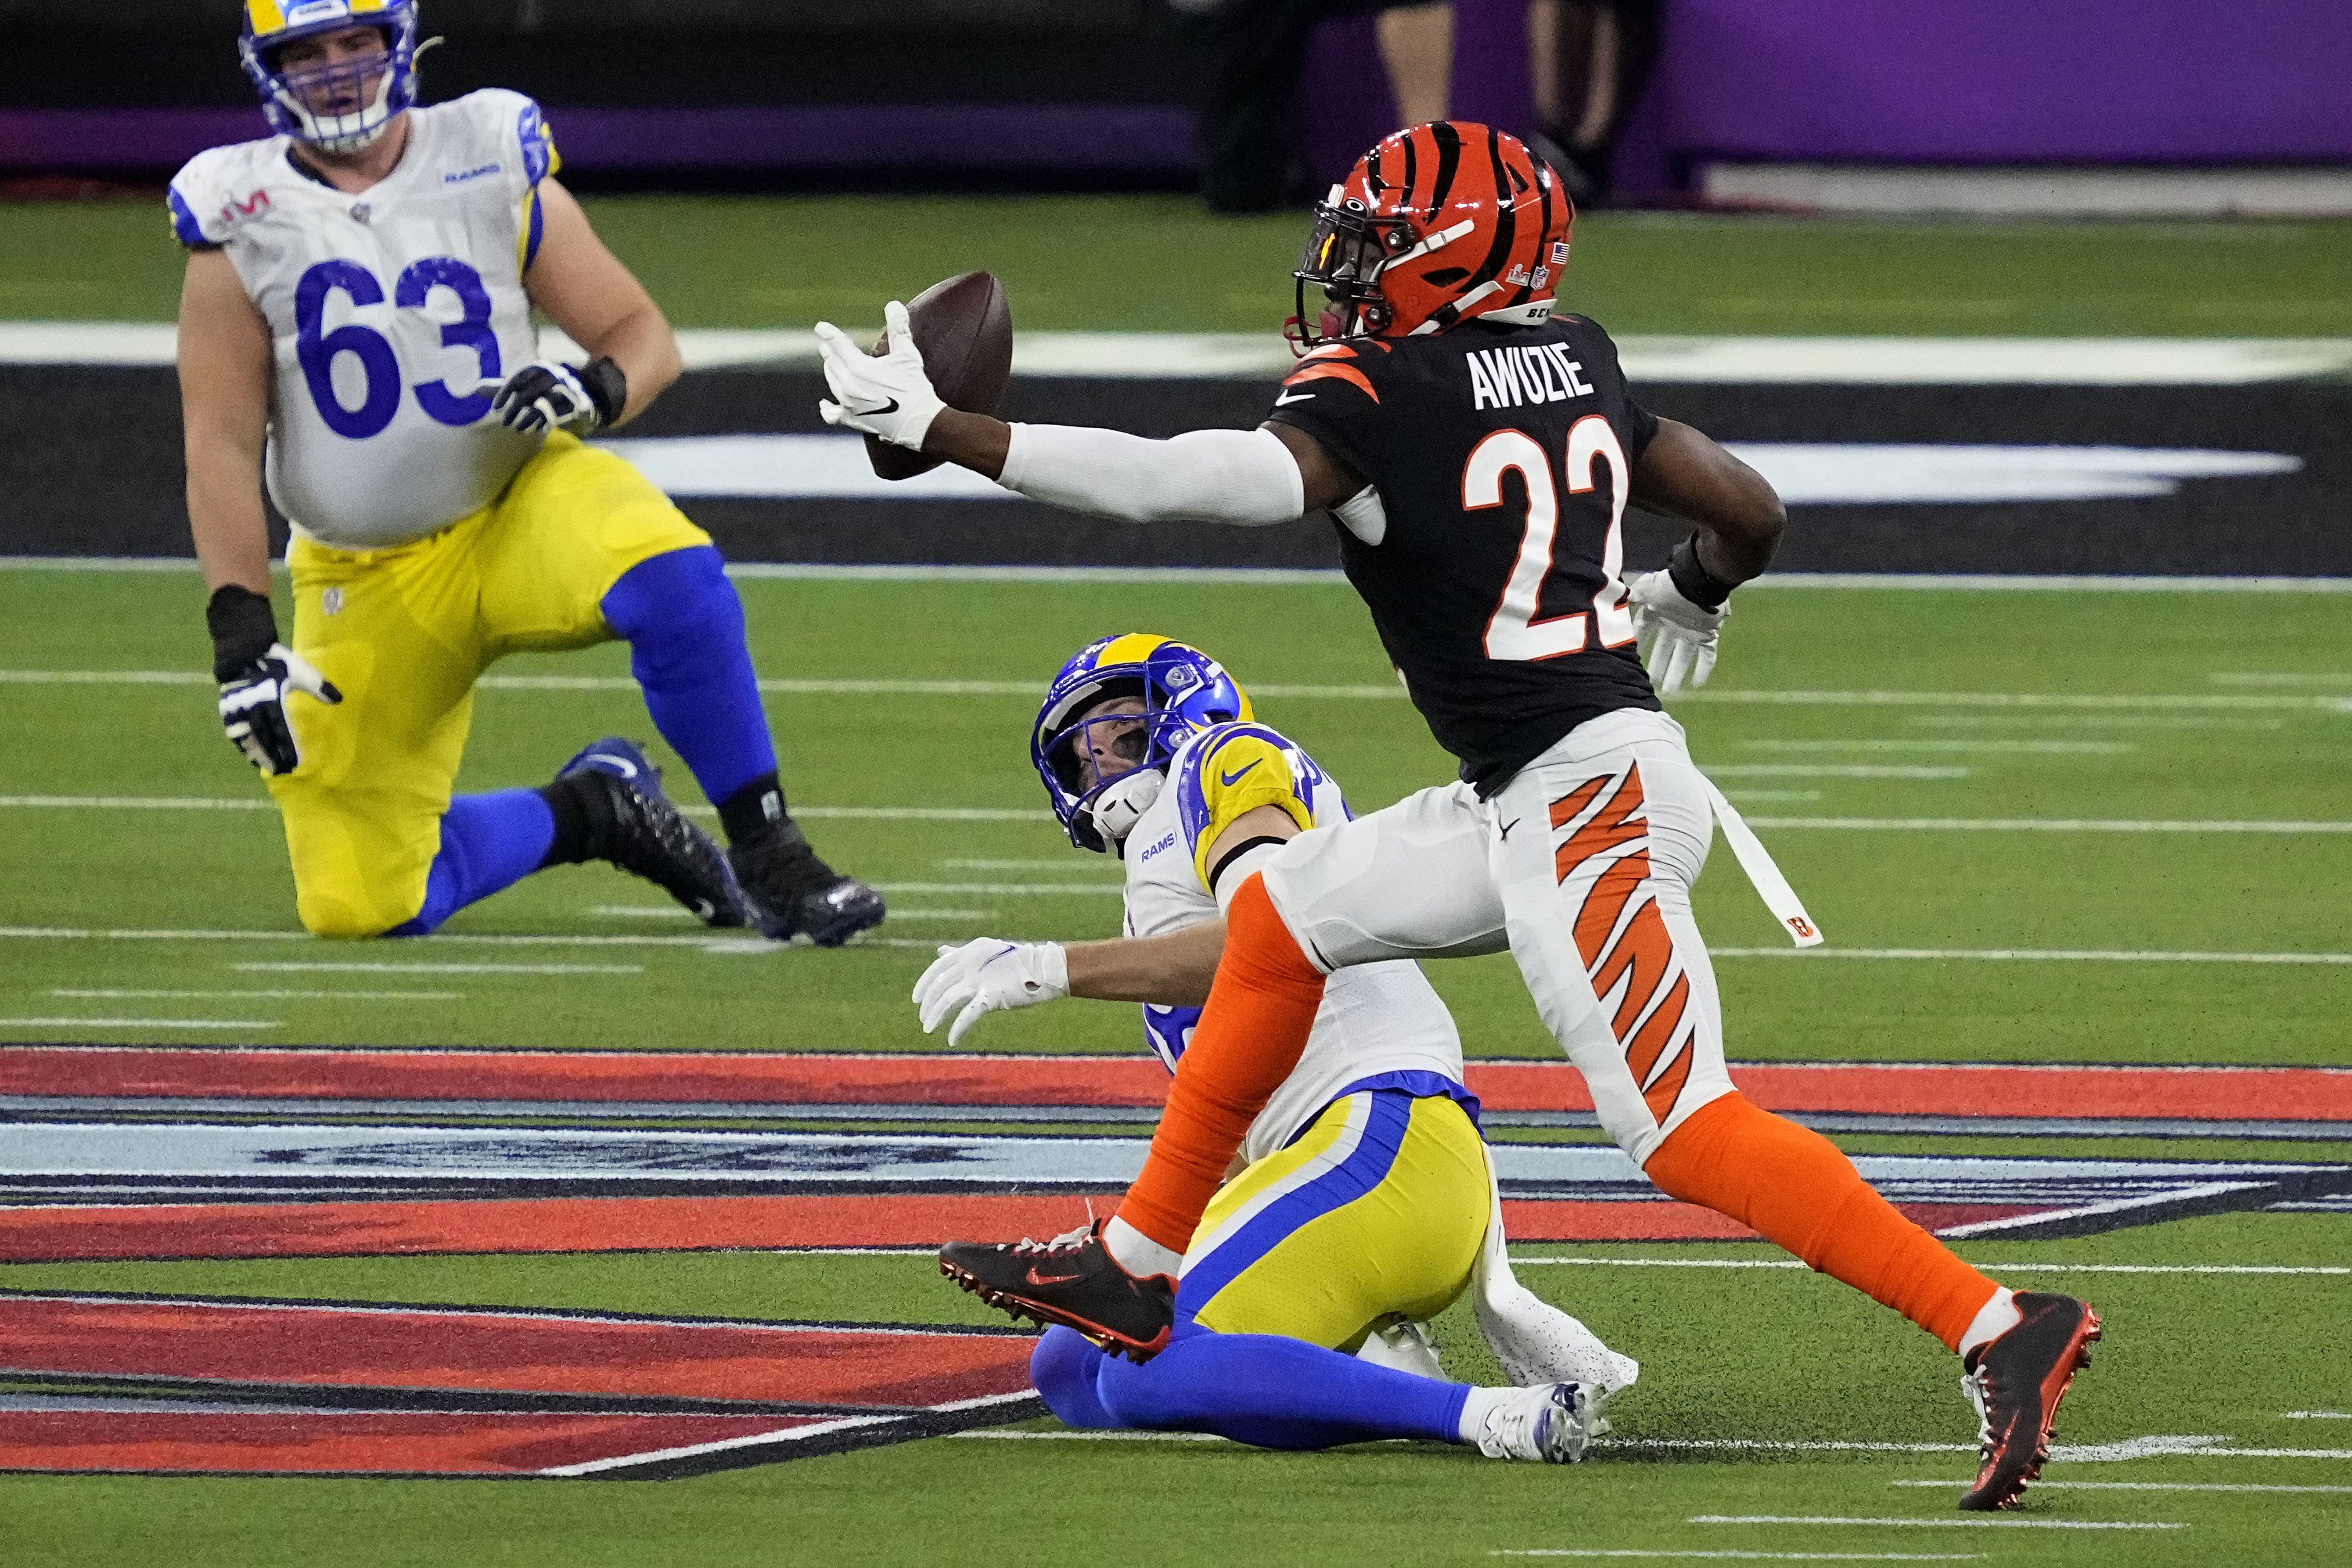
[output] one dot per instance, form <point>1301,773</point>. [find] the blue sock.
<point>488,842</point>
<point>1274,1393</point>
<point>685,629</point>
<point>1063,1367</point>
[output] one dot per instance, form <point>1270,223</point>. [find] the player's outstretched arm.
<point>585,289</point>
<point>1678,612</point>
<point>1247,478</point>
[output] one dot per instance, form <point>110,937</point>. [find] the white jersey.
<point>385,310</point>
<point>1377,1019</point>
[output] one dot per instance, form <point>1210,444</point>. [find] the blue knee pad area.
<point>684,625</point>
<point>1260,1389</point>
<point>488,842</point>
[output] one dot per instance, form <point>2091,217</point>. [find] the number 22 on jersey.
<point>1513,632</point>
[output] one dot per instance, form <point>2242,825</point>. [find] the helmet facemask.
<point>363,95</point>
<point>1345,252</point>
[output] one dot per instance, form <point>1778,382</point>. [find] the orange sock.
<point>1249,1038</point>
<point>1793,1187</point>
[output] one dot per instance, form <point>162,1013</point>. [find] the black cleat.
<point>633,826</point>
<point>2016,1382</point>
<point>788,892</point>
<point>1072,1279</point>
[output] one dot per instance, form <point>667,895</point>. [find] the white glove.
<point>1677,638</point>
<point>889,397</point>
<point>988,975</point>
<point>253,707</point>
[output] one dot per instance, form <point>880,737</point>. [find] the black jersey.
<point>1503,456</point>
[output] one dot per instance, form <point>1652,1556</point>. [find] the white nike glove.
<point>546,394</point>
<point>1677,638</point>
<point>253,707</point>
<point>887,397</point>
<point>989,975</point>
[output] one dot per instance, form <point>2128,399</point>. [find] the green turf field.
<point>1159,264</point>
<point>1844,707</point>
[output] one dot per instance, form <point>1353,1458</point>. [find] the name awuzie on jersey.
<point>1533,372</point>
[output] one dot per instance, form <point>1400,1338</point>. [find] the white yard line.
<point>2318,1415</point>
<point>442,968</point>
<point>1008,890</point>
<point>1828,771</point>
<point>278,996</point>
<point>996,814</point>
<point>1288,576</point>
<point>140,1024</point>
<point>1368,691</point>
<point>2025,955</point>
<point>1996,1268</point>
<point>1740,1556</point>
<point>1933,1523</point>
<point>2052,748</point>
<point>2035,825</point>
<point>2144,1485</point>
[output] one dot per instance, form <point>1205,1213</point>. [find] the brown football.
<point>964,328</point>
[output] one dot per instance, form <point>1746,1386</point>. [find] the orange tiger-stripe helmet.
<point>1442,222</point>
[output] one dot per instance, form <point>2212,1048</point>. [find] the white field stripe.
<point>139,1024</point>
<point>1829,771</point>
<point>782,1435</point>
<point>1741,1556</point>
<point>2053,748</point>
<point>442,968</point>
<point>2318,1415</point>
<point>1005,889</point>
<point>2027,955</point>
<point>278,996</point>
<point>997,814</point>
<point>1933,1523</point>
<point>1293,576</point>
<point>1996,1268</point>
<point>1370,691</point>
<point>2145,1486</point>
<point>2036,824</point>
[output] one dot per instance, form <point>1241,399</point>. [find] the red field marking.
<point>514,1352</point>
<point>337,1442</point>
<point>686,1078</point>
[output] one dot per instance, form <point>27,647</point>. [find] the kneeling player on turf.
<point>1364,1203</point>
<point>356,331</point>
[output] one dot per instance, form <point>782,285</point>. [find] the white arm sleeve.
<point>1247,477</point>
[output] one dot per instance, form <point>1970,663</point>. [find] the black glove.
<point>548,396</point>
<point>257,674</point>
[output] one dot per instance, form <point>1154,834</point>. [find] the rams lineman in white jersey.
<point>356,333</point>
<point>1364,1203</point>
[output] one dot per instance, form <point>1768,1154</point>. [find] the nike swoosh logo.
<point>1506,828</point>
<point>1229,779</point>
<point>889,407</point>
<point>1292,397</point>
<point>1037,1278</point>
<point>621,766</point>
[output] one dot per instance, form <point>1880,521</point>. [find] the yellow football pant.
<point>1377,1212</point>
<point>404,632</point>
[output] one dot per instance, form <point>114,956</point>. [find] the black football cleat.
<point>788,892</point>
<point>2016,1382</point>
<point>633,825</point>
<point>1072,1279</point>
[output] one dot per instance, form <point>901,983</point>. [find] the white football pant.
<point>1582,867</point>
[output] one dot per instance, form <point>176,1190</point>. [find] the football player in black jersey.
<point>1477,449</point>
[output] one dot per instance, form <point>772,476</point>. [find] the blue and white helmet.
<point>385,85</point>
<point>1183,690</point>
